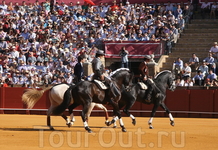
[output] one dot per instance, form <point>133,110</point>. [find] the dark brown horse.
<point>163,80</point>
<point>86,92</point>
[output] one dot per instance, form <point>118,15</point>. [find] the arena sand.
<point>29,132</point>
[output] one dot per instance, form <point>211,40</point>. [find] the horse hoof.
<point>108,123</point>
<point>68,124</point>
<point>88,129</point>
<point>151,127</point>
<point>134,122</point>
<point>124,130</point>
<point>172,123</point>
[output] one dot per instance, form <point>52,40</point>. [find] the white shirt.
<point>214,49</point>
<point>204,5</point>
<point>187,71</point>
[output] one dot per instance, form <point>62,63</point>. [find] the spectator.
<point>186,71</point>
<point>194,62</point>
<point>214,50</point>
<point>209,60</point>
<point>198,79</point>
<point>204,69</point>
<point>188,82</point>
<point>205,8</point>
<point>213,10</point>
<point>212,76</point>
<point>124,57</point>
<point>177,66</point>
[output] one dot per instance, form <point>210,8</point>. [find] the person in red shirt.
<point>114,7</point>
<point>6,83</point>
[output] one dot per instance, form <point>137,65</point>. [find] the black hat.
<point>100,52</point>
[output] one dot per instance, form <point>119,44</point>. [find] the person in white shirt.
<point>14,53</point>
<point>213,9</point>
<point>214,50</point>
<point>205,8</point>
<point>186,71</point>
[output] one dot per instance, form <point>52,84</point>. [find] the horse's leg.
<point>49,118</point>
<point>66,119</point>
<point>100,106</point>
<point>169,113</point>
<point>84,116</point>
<point>92,105</point>
<point>118,116</point>
<point>126,111</point>
<point>70,108</point>
<point>156,105</point>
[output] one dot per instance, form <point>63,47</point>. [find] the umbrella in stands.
<point>89,2</point>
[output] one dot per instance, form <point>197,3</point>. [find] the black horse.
<point>162,80</point>
<point>86,92</point>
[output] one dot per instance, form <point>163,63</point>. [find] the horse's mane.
<point>118,70</point>
<point>161,73</point>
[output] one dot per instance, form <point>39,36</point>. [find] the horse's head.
<point>167,78</point>
<point>122,76</point>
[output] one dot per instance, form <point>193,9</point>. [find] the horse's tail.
<point>66,102</point>
<point>31,96</point>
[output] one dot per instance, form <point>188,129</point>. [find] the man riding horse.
<point>144,72</point>
<point>98,70</point>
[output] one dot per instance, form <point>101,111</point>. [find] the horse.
<point>86,92</point>
<point>163,80</point>
<point>56,94</point>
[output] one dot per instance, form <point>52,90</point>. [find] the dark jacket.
<point>78,71</point>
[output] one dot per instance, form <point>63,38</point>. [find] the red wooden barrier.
<point>178,101</point>
<point>201,101</point>
<point>215,104</point>
<point>182,103</point>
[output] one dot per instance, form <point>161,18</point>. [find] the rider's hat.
<point>100,52</point>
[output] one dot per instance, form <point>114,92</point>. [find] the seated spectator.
<point>186,71</point>
<point>204,69</point>
<point>188,82</point>
<point>214,50</point>
<point>209,60</point>
<point>177,66</point>
<point>198,79</point>
<point>211,76</point>
<point>194,62</point>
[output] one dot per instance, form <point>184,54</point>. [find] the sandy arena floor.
<point>29,132</point>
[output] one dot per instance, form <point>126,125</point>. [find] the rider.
<point>97,66</point>
<point>144,72</point>
<point>98,69</point>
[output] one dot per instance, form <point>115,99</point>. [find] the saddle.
<point>100,85</point>
<point>142,86</point>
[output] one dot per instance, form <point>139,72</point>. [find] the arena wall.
<point>182,103</point>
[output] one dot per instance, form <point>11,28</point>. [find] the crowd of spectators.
<point>205,72</point>
<point>40,42</point>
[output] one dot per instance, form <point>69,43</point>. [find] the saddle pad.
<point>100,84</point>
<point>142,86</point>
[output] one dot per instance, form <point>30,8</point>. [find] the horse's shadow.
<point>47,129</point>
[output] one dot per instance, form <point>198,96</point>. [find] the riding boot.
<point>151,88</point>
<point>148,92</point>
<point>113,89</point>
